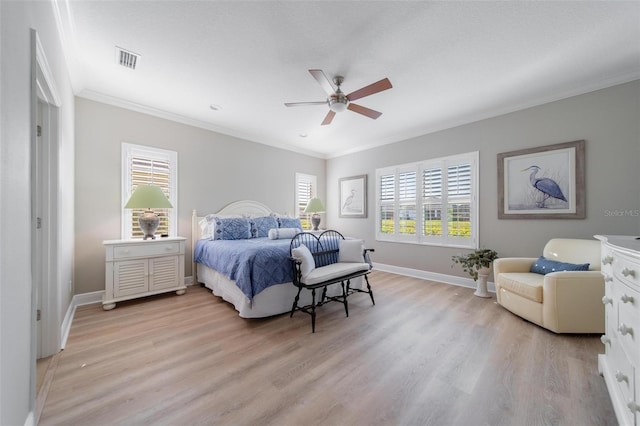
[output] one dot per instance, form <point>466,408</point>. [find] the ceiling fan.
<point>338,101</point>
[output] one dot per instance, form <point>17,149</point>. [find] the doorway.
<point>45,300</point>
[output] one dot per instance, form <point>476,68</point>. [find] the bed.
<point>240,277</point>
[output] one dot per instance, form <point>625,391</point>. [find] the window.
<point>429,202</point>
<point>144,165</point>
<point>306,189</point>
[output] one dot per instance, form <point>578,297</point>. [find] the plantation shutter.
<point>305,191</point>
<point>386,202</point>
<point>459,200</point>
<point>144,165</point>
<point>145,171</point>
<point>432,201</point>
<point>407,203</point>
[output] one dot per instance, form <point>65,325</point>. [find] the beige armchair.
<point>563,302</point>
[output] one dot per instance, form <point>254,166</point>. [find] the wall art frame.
<point>546,182</point>
<point>353,196</point>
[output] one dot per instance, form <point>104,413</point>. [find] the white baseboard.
<point>432,276</point>
<point>77,300</point>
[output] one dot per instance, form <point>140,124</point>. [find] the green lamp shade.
<point>314,206</point>
<point>148,197</point>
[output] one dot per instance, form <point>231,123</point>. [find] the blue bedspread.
<point>253,264</point>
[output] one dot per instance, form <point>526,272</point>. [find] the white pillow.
<point>283,233</point>
<point>351,251</point>
<point>303,254</point>
<point>206,229</point>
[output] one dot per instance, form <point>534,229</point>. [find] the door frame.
<point>45,103</point>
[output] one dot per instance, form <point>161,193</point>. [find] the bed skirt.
<point>273,300</point>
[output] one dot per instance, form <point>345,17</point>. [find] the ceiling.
<point>450,62</point>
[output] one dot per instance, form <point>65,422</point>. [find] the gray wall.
<point>609,121</point>
<point>17,353</point>
<point>213,170</point>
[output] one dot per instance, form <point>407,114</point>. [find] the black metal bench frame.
<point>325,249</point>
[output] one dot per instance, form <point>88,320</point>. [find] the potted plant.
<point>478,265</point>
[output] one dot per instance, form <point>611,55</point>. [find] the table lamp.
<point>314,206</point>
<point>148,197</point>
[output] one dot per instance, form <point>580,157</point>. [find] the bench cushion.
<point>307,264</point>
<point>335,270</point>
<point>351,251</point>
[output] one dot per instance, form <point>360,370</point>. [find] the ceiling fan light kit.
<point>338,101</point>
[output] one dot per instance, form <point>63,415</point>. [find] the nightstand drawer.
<point>146,250</point>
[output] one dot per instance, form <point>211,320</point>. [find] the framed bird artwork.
<point>353,196</point>
<point>546,182</point>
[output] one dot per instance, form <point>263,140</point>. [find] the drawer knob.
<point>620,377</point>
<point>626,299</point>
<point>605,339</point>
<point>606,300</point>
<point>608,278</point>
<point>624,329</point>
<point>607,260</point>
<point>633,406</point>
<point>628,272</point>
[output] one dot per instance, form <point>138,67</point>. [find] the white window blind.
<point>143,165</point>
<point>306,189</point>
<point>430,202</point>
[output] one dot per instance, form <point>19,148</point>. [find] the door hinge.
<point>38,314</point>
<point>38,222</point>
<point>39,130</point>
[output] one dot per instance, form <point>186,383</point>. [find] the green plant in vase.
<point>473,262</point>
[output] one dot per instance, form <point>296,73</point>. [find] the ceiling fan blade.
<point>364,111</point>
<point>376,87</point>
<point>323,81</point>
<point>328,118</point>
<point>295,104</point>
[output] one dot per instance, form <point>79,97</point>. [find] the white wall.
<point>213,170</point>
<point>609,121</point>
<point>16,361</point>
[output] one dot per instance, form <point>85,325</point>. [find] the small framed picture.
<point>353,196</point>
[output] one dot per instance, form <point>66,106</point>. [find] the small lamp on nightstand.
<point>314,206</point>
<point>148,197</point>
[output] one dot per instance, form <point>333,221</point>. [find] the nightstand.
<point>138,268</point>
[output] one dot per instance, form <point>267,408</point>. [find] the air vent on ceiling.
<point>126,58</point>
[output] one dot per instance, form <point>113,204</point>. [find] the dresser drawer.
<point>146,250</point>
<point>623,371</point>
<point>628,303</point>
<point>626,270</point>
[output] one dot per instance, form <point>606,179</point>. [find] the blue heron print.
<point>547,186</point>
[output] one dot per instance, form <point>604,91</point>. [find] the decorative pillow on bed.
<point>303,254</point>
<point>283,233</point>
<point>351,251</point>
<point>260,226</point>
<point>289,222</point>
<point>545,266</point>
<point>236,228</point>
<point>206,228</point>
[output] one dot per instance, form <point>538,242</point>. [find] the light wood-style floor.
<point>426,354</point>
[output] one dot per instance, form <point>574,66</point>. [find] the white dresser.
<point>137,268</point>
<point>620,364</point>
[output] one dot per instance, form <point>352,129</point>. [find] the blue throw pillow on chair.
<point>545,266</point>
